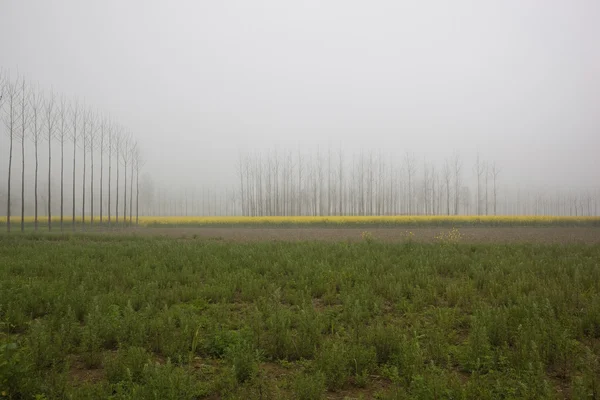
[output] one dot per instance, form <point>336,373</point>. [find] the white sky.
<point>196,81</point>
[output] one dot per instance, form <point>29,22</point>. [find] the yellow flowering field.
<point>373,220</point>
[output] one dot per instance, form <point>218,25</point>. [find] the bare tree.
<point>76,119</point>
<point>22,137</point>
<point>85,128</point>
<point>487,175</point>
<point>133,150</point>
<point>479,170</point>
<point>103,132</point>
<point>457,164</point>
<point>50,127</point>
<point>36,106</point>
<point>410,170</point>
<point>139,163</point>
<point>111,134</point>
<point>118,140</point>
<point>447,176</point>
<point>11,93</point>
<point>495,172</point>
<point>125,158</point>
<point>93,130</point>
<point>62,136</point>
<point>3,83</point>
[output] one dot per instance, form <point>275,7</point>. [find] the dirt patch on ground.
<point>468,235</point>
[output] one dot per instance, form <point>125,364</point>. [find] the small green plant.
<point>309,386</point>
<point>126,365</point>
<point>243,359</point>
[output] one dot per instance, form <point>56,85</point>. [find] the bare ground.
<point>585,235</point>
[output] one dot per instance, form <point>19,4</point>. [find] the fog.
<point>201,84</point>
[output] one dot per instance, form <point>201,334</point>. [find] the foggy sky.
<point>198,81</point>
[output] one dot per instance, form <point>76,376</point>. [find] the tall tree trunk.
<point>131,196</point>
<point>62,177</point>
<point>23,127</point>
<point>35,186</point>
<point>125,195</point>
<point>74,170</point>
<point>23,178</point>
<point>49,179</point>
<point>83,188</point>
<point>117,196</point>
<point>109,173</point>
<point>92,178</point>
<point>137,196</point>
<point>101,175</point>
<point>10,155</point>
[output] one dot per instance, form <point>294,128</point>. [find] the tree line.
<point>367,183</point>
<point>321,183</point>
<point>36,121</point>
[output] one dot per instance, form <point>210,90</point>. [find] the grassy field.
<point>329,221</point>
<point>97,317</point>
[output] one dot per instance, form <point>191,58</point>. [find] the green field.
<point>97,317</point>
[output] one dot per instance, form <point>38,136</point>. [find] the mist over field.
<point>218,95</point>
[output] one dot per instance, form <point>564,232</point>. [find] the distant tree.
<point>340,183</point>
<point>486,172</point>
<point>133,151</point>
<point>76,119</point>
<point>25,115</point>
<point>11,96</point>
<point>104,123</point>
<point>447,173</point>
<point>62,137</point>
<point>479,171</point>
<point>50,128</point>
<point>111,134</point>
<point>118,140</point>
<point>410,171</point>
<point>86,117</point>
<point>36,105</point>
<point>495,171</point>
<point>457,164</point>
<point>125,158</point>
<point>92,133</point>
<point>426,182</point>
<point>139,163</point>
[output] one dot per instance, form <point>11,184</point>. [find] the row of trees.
<point>332,183</point>
<point>36,121</point>
<point>364,184</point>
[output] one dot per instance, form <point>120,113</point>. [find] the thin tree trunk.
<point>62,177</point>
<point>49,179</point>
<point>109,173</point>
<point>23,126</point>
<point>74,170</point>
<point>35,190</point>
<point>137,196</point>
<point>23,178</point>
<point>92,178</point>
<point>83,189</point>
<point>117,197</point>
<point>125,195</point>
<point>131,197</point>
<point>101,171</point>
<point>10,155</point>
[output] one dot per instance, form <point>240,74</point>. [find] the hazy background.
<point>198,81</point>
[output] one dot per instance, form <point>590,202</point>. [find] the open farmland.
<point>132,316</point>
